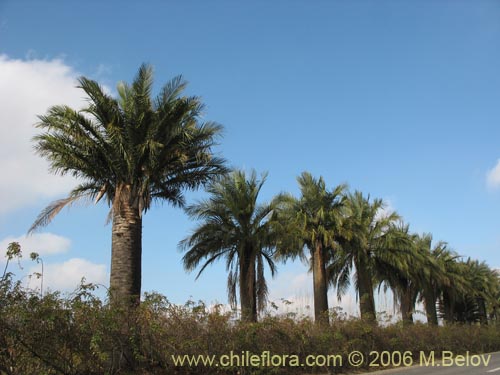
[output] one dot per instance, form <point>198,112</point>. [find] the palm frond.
<point>48,213</point>
<point>234,226</point>
<point>158,147</point>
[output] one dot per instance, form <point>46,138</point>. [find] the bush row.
<point>79,334</point>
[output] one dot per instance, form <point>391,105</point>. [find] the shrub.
<point>80,334</point>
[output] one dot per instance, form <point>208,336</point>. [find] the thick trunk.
<point>320,286</point>
<point>366,296</point>
<point>125,280</point>
<point>407,306</point>
<point>448,309</point>
<point>248,291</point>
<point>430,307</point>
<point>126,249</point>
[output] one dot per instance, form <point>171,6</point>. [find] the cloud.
<point>66,276</point>
<point>41,243</point>
<point>27,89</point>
<point>493,176</point>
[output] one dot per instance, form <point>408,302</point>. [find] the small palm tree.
<point>235,227</point>
<point>314,222</point>
<point>132,150</point>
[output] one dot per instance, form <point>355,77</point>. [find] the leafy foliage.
<point>313,223</point>
<point>158,146</point>
<point>372,245</point>
<point>79,334</point>
<point>235,227</point>
<point>131,151</point>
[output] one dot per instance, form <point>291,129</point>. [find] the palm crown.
<point>155,147</point>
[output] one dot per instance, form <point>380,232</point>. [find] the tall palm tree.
<point>419,276</point>
<point>235,227</point>
<point>432,275</point>
<point>369,244</point>
<point>404,276</point>
<point>480,278</point>
<point>132,150</point>
<point>453,285</point>
<point>314,223</point>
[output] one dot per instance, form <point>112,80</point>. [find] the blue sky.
<point>398,99</point>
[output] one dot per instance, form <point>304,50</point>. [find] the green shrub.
<point>80,334</point>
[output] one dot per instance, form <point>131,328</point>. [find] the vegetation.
<point>372,245</point>
<point>476,299</point>
<point>131,151</point>
<point>313,222</point>
<point>236,227</point>
<point>428,277</point>
<point>80,334</point>
<point>134,150</point>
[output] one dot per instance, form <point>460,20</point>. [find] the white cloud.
<point>41,243</point>
<point>66,276</point>
<point>27,89</point>
<point>493,176</point>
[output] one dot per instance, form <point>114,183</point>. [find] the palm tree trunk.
<point>125,278</point>
<point>448,309</point>
<point>407,306</point>
<point>320,286</point>
<point>126,249</point>
<point>248,296</point>
<point>430,307</point>
<point>365,292</point>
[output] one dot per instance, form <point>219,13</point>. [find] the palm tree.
<point>314,223</point>
<point>369,244</point>
<point>419,278</point>
<point>481,281</point>
<point>235,227</point>
<point>469,303</point>
<point>432,275</point>
<point>404,277</point>
<point>132,150</point>
<point>452,286</point>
